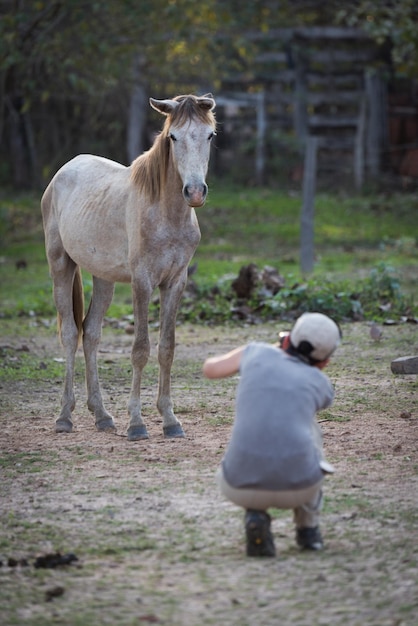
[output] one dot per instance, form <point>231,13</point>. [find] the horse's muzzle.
<point>195,195</point>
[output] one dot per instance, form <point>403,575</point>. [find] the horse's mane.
<point>149,170</point>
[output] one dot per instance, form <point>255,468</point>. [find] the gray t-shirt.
<point>273,444</point>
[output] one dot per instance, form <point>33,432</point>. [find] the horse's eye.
<point>211,135</point>
<point>172,137</point>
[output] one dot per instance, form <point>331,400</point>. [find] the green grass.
<point>23,462</point>
<point>19,366</point>
<point>353,235</point>
<point>264,226</point>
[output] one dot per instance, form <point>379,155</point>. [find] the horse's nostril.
<point>191,190</point>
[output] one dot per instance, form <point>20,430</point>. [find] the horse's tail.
<point>78,305</point>
<point>78,302</point>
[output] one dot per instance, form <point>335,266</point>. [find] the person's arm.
<point>223,365</point>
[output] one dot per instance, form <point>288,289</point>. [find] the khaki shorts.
<point>261,499</point>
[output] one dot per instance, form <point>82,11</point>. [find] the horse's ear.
<point>207,101</point>
<point>165,107</point>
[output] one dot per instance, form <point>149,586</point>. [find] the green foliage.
<point>67,69</point>
<point>376,297</point>
<point>384,21</point>
<point>208,304</point>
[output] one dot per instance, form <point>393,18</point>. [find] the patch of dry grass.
<point>155,541</point>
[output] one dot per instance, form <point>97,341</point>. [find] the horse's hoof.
<point>63,426</point>
<point>135,433</point>
<point>175,431</point>
<point>106,426</point>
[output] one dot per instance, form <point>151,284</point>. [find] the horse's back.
<point>87,172</point>
<point>89,185</point>
<point>91,163</point>
<point>85,203</point>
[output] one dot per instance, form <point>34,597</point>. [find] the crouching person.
<point>274,456</point>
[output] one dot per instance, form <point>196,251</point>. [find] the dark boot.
<point>309,538</point>
<point>260,541</point>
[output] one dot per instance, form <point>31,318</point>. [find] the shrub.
<point>377,297</point>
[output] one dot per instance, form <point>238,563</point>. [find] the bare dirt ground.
<point>156,543</point>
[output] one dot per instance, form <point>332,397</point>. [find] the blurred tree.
<point>66,67</point>
<point>56,58</point>
<point>393,24</point>
<point>75,75</point>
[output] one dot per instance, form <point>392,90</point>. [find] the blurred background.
<point>76,76</point>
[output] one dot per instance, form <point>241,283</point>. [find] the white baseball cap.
<point>315,335</point>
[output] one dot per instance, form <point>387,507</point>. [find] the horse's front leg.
<point>170,297</point>
<point>140,353</point>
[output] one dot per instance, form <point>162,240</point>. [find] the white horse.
<point>135,225</point>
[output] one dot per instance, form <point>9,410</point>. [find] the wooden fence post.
<point>359,147</point>
<point>261,132</point>
<point>300,95</point>
<point>307,213</point>
<point>375,136</point>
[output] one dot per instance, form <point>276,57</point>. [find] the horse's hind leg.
<point>92,332</point>
<point>63,272</point>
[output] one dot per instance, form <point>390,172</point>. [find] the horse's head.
<point>189,127</point>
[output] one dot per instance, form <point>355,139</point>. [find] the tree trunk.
<point>17,146</point>
<point>137,111</point>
